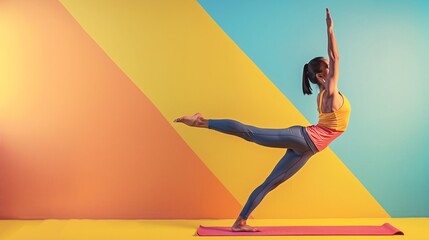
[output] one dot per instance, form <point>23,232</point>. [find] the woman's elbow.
<point>334,57</point>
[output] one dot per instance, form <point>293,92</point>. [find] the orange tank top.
<point>331,125</point>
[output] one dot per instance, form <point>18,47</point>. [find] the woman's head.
<point>314,71</point>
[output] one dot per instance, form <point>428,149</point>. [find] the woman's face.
<point>325,71</point>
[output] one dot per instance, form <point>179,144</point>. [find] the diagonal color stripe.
<point>183,62</point>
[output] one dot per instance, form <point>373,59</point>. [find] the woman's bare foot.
<point>197,120</point>
<point>241,226</point>
<point>244,228</point>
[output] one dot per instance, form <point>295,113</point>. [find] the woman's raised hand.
<point>329,22</point>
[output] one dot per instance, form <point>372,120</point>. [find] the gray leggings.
<point>299,149</point>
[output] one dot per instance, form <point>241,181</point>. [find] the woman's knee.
<point>243,130</point>
<point>271,183</point>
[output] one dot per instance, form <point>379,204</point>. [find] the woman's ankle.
<point>204,123</point>
<point>240,221</point>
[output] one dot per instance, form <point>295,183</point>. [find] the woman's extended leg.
<point>291,162</point>
<point>269,137</point>
<point>279,138</point>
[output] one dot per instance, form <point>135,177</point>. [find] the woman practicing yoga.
<point>301,142</point>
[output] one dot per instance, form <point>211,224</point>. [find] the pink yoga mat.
<point>385,229</point>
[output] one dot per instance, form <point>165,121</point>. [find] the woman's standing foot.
<point>241,226</point>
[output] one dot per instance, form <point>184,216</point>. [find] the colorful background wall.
<point>89,89</point>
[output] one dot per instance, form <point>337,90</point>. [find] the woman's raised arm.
<point>334,69</point>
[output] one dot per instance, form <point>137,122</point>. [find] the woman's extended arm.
<point>334,69</point>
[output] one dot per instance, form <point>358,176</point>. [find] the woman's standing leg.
<point>291,162</point>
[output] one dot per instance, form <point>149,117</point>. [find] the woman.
<point>301,142</point>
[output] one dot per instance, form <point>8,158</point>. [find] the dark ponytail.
<point>306,88</point>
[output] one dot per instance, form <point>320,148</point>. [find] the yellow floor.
<point>414,228</point>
